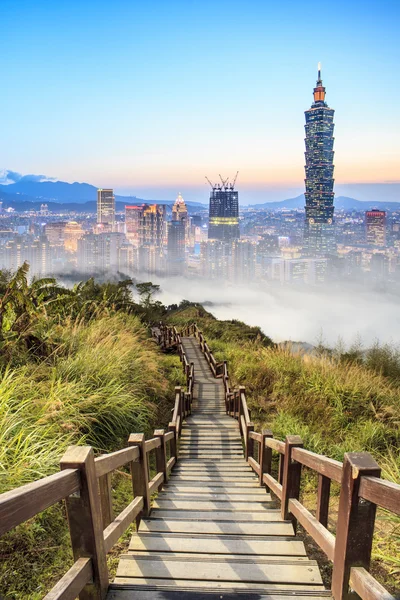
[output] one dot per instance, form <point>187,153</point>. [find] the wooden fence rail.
<point>361,492</point>
<point>84,483</point>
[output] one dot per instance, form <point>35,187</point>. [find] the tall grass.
<point>103,380</point>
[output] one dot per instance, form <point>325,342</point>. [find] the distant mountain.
<point>61,192</point>
<point>341,203</point>
<point>21,202</point>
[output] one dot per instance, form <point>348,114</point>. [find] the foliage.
<point>92,377</point>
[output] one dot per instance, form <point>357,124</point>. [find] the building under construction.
<point>224,211</point>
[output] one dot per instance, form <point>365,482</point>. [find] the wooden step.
<point>196,543</point>
<point>254,527</point>
<point>253,570</point>
<point>125,588</point>
<point>211,497</point>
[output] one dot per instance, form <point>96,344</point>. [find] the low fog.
<point>295,314</point>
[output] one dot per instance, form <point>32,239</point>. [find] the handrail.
<point>358,476</point>
<point>84,482</point>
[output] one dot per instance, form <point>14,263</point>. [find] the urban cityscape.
<point>217,238</point>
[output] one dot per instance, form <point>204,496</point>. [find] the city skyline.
<point>165,129</point>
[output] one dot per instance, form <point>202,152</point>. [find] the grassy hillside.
<point>335,402</point>
<point>90,377</point>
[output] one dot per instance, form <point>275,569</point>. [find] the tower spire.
<point>319,90</point>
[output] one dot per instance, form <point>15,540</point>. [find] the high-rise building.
<point>375,227</point>
<point>224,212</point>
<point>176,247</point>
<point>72,233</point>
<point>101,252</point>
<point>106,208</point>
<point>319,233</point>
<point>215,259</point>
<point>179,210</point>
<point>133,216</point>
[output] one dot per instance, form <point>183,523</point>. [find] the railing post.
<point>140,473</point>
<point>291,476</point>
<point>323,495</point>
<point>85,520</point>
<point>265,458</point>
<point>355,525</point>
<point>241,390</point>
<point>161,456</point>
<point>174,442</point>
<point>249,441</point>
<point>106,499</point>
<point>236,403</point>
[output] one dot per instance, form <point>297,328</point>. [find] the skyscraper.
<point>375,227</point>
<point>176,247</point>
<point>319,233</point>
<point>133,217</point>
<point>224,212</point>
<point>106,208</point>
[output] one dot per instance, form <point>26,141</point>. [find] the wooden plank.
<point>276,445</point>
<point>217,545</point>
<point>222,514</point>
<point>192,489</point>
<point>121,523</point>
<point>273,485</point>
<point>210,505</point>
<point>212,497</point>
<point>22,503</point>
<point>109,462</point>
<point>254,465</point>
<point>215,483</point>
<point>385,494</point>
<point>324,538</point>
<point>366,586</point>
<point>227,527</point>
<point>155,483</point>
<point>219,570</point>
<point>171,463</point>
<point>151,444</point>
<point>73,582</point>
<point>317,462</point>
<point>145,589</point>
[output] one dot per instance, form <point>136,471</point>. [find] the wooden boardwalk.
<point>213,531</point>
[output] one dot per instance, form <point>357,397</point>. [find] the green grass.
<point>103,380</point>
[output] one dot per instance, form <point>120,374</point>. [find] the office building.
<point>375,227</point>
<point>133,216</point>
<point>176,247</point>
<point>224,212</point>
<point>106,209</point>
<point>319,234</point>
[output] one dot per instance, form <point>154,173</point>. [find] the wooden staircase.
<point>213,530</point>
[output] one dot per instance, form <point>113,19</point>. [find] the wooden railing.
<point>169,337</point>
<point>361,492</point>
<point>85,484</point>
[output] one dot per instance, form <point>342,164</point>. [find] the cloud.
<point>297,314</point>
<point>7,177</point>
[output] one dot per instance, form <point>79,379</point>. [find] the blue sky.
<point>150,97</point>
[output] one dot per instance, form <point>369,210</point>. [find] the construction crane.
<point>213,186</point>
<point>232,186</point>
<point>224,182</point>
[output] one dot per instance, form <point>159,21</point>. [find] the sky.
<point>149,97</point>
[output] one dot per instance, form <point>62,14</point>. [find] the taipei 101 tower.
<point>319,233</point>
